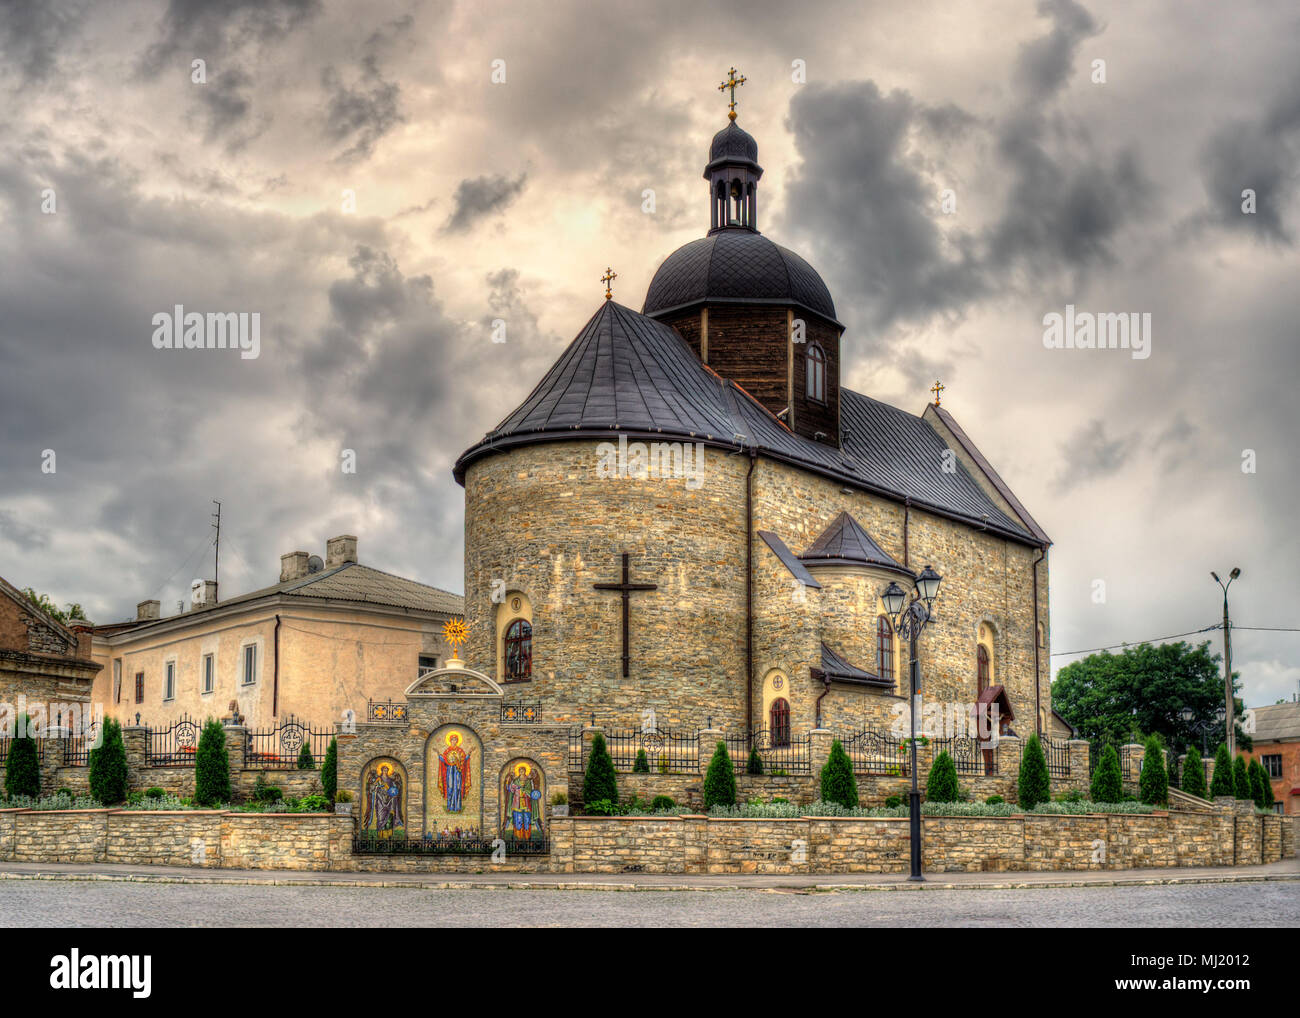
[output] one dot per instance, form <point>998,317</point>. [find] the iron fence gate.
<point>968,754</point>
<point>277,748</point>
<point>876,752</point>
<point>666,752</point>
<point>781,752</point>
<point>1057,752</point>
<point>173,746</point>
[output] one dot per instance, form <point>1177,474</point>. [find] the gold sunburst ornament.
<point>455,632</point>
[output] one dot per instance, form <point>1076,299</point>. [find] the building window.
<point>169,680</point>
<point>779,717</point>
<point>885,649</point>
<point>250,664</point>
<point>117,680</point>
<point>139,687</point>
<point>1273,765</point>
<point>519,651</point>
<point>982,667</point>
<point>428,662</point>
<point>209,672</point>
<point>816,370</point>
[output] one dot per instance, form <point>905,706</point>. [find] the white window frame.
<point>117,680</point>
<point>244,679</point>
<point>208,669</point>
<point>169,680</point>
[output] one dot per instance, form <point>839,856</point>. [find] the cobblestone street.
<point>63,903</point>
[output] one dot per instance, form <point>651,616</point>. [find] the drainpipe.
<point>275,684</point>
<point>749,593</point>
<point>1038,698</point>
<point>907,512</point>
<point>818,705</point>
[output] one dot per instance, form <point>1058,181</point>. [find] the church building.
<point>691,515</point>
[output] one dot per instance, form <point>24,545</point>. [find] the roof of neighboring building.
<point>626,373</point>
<point>28,605</point>
<point>845,542</point>
<point>1277,722</point>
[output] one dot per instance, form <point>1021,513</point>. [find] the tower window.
<point>816,361</point>
<point>780,718</point>
<point>982,667</point>
<point>519,651</point>
<point>884,649</point>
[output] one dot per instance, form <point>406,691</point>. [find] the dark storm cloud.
<point>361,113</point>
<point>208,29</point>
<point>1091,454</point>
<point>1045,63</point>
<point>481,197</point>
<point>32,32</point>
<point>226,101</point>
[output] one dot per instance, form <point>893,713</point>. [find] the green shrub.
<point>107,772</point>
<point>23,765</point>
<point>343,795</point>
<point>1269,801</point>
<point>1034,784</point>
<point>893,802</point>
<point>1258,781</point>
<point>1194,774</point>
<point>601,808</point>
<point>663,763</point>
<point>642,764</point>
<point>1240,778</point>
<point>662,803</point>
<point>329,772</point>
<point>313,804</point>
<point>212,766</point>
<point>264,791</point>
<point>1221,780</point>
<point>838,783</point>
<point>559,799</point>
<point>1073,795</point>
<point>1153,782</point>
<point>995,800</point>
<point>720,779</point>
<point>941,785</point>
<point>306,762</point>
<point>1108,779</point>
<point>754,765</point>
<point>155,792</point>
<point>599,782</point>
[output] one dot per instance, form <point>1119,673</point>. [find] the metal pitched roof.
<point>837,669</point>
<point>845,542</point>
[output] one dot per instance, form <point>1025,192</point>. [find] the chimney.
<point>203,594</point>
<point>147,610</point>
<point>293,566</point>
<point>339,550</point>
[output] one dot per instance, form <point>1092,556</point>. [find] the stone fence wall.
<point>1232,834</point>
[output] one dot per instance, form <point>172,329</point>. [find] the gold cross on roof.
<point>732,83</point>
<point>937,388</point>
<point>608,278</point>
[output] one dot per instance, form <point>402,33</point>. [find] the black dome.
<point>737,265</point>
<point>732,143</point>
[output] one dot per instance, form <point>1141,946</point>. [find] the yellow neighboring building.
<point>330,636</point>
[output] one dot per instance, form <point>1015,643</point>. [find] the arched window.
<point>780,722</point>
<point>885,649</point>
<point>982,667</point>
<point>816,369</point>
<point>519,651</point>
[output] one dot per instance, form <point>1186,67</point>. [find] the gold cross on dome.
<point>732,83</point>
<point>608,279</point>
<point>937,388</point>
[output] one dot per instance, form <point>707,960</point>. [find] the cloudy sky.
<point>353,173</point>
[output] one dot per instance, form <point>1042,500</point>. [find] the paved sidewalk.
<point>1286,870</point>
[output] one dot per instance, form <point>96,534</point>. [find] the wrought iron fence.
<point>173,746</point>
<point>781,752</point>
<point>521,713</point>
<point>666,752</point>
<point>876,752</point>
<point>6,743</point>
<point>369,843</point>
<point>76,748</point>
<point>968,754</point>
<point>386,711</point>
<point>278,747</point>
<point>1057,752</point>
<point>1126,755</point>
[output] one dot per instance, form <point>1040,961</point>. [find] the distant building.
<point>1277,748</point>
<point>329,636</point>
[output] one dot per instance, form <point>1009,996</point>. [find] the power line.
<point>1134,643</point>
<point>199,547</point>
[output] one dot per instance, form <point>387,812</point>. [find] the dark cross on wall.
<point>626,588</point>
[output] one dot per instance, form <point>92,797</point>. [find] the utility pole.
<point>216,548</point>
<point>1229,705</point>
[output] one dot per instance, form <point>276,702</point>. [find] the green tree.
<point>1153,782</point>
<point>838,783</point>
<point>1221,780</point>
<point>599,782</point>
<point>1258,781</point>
<point>642,763</point>
<point>23,765</point>
<point>212,766</point>
<point>306,762</point>
<point>1108,779</point>
<point>941,785</point>
<point>1114,697</point>
<point>1240,778</point>
<point>720,779</point>
<point>1269,801</point>
<point>71,613</point>
<point>329,771</point>
<point>1034,784</point>
<point>1194,774</point>
<point>107,772</point>
<point>754,765</point>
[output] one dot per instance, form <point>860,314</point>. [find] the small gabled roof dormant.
<point>846,543</point>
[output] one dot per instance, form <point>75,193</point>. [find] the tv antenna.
<point>216,545</point>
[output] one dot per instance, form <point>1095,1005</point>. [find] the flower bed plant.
<point>59,800</point>
<point>1076,806</point>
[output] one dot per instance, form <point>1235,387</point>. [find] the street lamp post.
<point>909,617</point>
<point>1229,706</point>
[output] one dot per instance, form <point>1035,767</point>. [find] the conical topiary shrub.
<point>941,785</point>
<point>1034,784</point>
<point>1194,774</point>
<point>720,779</point>
<point>754,765</point>
<point>23,765</point>
<point>211,766</point>
<point>1108,779</point>
<point>1221,779</point>
<point>1269,801</point>
<point>838,783</point>
<point>1153,782</point>
<point>1240,779</point>
<point>306,762</point>
<point>107,773</point>
<point>1258,781</point>
<point>599,782</point>
<point>329,771</point>
<point>642,763</point>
